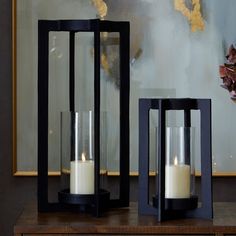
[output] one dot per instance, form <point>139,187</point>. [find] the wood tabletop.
<point>124,221</point>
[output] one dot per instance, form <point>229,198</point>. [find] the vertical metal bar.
<point>161,160</point>
<point>72,136</point>
<point>72,70</point>
<point>206,159</point>
<point>143,155</point>
<point>43,61</point>
<point>124,113</point>
<point>72,91</point>
<point>97,112</point>
<point>187,118</point>
<point>187,137</point>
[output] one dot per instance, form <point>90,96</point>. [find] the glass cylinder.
<point>77,159</point>
<point>179,170</point>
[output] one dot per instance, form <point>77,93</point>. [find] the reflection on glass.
<point>77,151</point>
<point>178,162</point>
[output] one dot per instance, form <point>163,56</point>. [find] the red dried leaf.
<point>231,57</point>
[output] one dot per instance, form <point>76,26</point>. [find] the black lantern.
<point>81,131</point>
<point>173,197</point>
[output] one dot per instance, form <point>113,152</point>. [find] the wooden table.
<point>123,222</point>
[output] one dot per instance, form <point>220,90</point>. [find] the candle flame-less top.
<point>83,157</point>
<point>176,161</point>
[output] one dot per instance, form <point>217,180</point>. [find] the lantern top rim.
<point>84,25</point>
<point>175,103</point>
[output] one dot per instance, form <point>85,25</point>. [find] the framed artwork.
<point>171,56</point>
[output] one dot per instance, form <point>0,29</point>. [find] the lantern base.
<point>178,203</point>
<point>84,200</point>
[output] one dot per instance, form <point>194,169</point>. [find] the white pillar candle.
<point>177,181</point>
<point>82,176</point>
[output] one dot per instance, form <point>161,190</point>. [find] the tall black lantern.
<point>173,197</point>
<point>82,130</point>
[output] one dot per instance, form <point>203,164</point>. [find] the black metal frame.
<point>72,26</point>
<point>162,105</point>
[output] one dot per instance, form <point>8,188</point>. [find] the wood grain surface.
<point>123,222</point>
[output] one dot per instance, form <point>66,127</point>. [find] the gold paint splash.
<point>101,7</point>
<point>105,64</point>
<point>194,16</point>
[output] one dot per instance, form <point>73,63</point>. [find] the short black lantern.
<point>173,197</point>
<point>81,131</point>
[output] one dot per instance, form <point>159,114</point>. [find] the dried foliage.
<point>228,72</point>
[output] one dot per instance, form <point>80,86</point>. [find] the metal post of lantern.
<point>96,201</point>
<point>162,206</point>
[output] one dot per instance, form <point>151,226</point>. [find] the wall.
<point>15,192</point>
